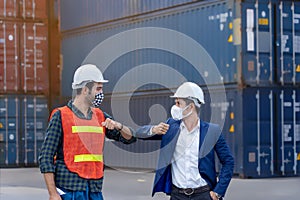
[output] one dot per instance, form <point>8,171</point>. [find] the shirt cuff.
<point>150,133</point>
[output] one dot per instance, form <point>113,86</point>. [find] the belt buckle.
<point>188,191</point>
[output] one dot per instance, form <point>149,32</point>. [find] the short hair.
<point>188,101</point>
<point>89,85</point>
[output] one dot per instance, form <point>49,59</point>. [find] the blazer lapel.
<point>203,132</point>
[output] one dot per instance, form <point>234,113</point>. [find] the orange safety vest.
<point>83,143</point>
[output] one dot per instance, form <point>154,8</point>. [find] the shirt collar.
<point>78,113</point>
<point>182,125</point>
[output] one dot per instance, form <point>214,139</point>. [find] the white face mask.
<point>176,112</point>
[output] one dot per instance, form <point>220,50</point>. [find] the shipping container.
<point>288,38</point>
<point>9,8</point>
<point>262,129</point>
<point>260,125</point>
<point>167,38</point>
<point>34,120</point>
<point>34,58</point>
<point>27,68</point>
<point>9,130</point>
<point>24,9</point>
<point>23,122</point>
<point>137,109</point>
<point>24,58</point>
<point>9,59</point>
<point>249,47</point>
<point>34,9</point>
<point>97,11</point>
<point>244,40</point>
<point>27,62</point>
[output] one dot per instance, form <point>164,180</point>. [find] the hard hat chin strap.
<point>196,101</point>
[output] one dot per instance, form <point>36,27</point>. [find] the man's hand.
<point>124,130</point>
<point>160,129</point>
<point>213,195</point>
<point>55,197</point>
<point>111,124</point>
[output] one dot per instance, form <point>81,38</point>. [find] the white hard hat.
<point>87,73</point>
<point>192,91</point>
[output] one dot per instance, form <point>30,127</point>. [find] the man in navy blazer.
<point>186,164</point>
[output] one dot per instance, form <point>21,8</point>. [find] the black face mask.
<point>98,99</point>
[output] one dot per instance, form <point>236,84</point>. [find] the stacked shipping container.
<point>254,45</point>
<point>24,79</point>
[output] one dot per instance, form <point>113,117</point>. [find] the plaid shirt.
<point>53,145</point>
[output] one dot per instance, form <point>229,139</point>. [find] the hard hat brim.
<point>174,96</point>
<point>103,81</point>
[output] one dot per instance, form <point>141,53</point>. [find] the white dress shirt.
<point>185,173</point>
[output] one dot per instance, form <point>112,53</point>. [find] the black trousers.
<point>195,196</point>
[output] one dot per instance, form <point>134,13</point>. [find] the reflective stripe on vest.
<point>88,158</point>
<point>90,129</point>
<point>83,142</point>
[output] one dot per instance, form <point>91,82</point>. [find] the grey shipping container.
<point>261,126</point>
<point>23,122</point>
<point>209,42</point>
<point>97,11</point>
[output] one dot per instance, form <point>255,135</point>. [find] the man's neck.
<point>191,121</point>
<point>81,105</point>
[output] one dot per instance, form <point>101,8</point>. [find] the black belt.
<point>190,191</point>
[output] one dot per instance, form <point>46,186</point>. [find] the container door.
<point>257,39</point>
<point>258,132</point>
<point>289,134</point>
<point>296,131</point>
<point>34,9</point>
<point>9,8</point>
<point>34,58</point>
<point>288,42</point>
<point>35,114</point>
<point>227,115</point>
<point>9,60</point>
<point>9,130</point>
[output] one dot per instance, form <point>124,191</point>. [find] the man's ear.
<point>193,106</point>
<point>85,90</point>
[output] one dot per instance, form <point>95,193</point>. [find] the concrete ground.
<point>28,184</point>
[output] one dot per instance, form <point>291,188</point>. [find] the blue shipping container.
<point>288,41</point>
<point>172,45</point>
<point>9,130</point>
<point>249,46</point>
<point>35,121</point>
<point>23,122</point>
<point>210,42</point>
<point>261,126</point>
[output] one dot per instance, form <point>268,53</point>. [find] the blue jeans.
<point>81,195</point>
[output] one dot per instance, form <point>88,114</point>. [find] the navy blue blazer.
<point>211,141</point>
